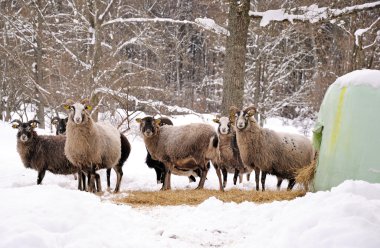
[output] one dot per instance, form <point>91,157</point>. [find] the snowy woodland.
<point>188,60</point>
<point>169,56</point>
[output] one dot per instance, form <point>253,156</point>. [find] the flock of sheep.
<point>239,146</point>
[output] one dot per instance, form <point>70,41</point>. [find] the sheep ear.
<point>138,120</point>
<point>66,106</point>
<point>157,121</point>
<point>15,125</point>
<point>33,123</point>
<point>216,120</point>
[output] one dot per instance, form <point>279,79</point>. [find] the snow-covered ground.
<point>55,214</point>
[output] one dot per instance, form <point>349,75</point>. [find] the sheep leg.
<point>217,169</point>
<point>236,174</point>
<point>279,182</point>
<point>166,184</point>
<point>119,174</point>
<point>92,178</point>
<point>240,177</point>
<point>224,172</point>
<point>257,177</point>
<point>41,175</point>
<point>158,175</point>
<point>203,178</point>
<point>109,178</point>
<point>81,181</point>
<point>263,177</point>
<point>98,183</point>
<point>291,184</point>
<point>248,176</point>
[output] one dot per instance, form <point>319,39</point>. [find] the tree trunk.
<point>234,65</point>
<point>39,77</point>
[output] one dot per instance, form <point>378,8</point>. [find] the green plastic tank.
<point>347,133</point>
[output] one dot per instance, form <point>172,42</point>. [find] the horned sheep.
<point>42,152</point>
<point>94,145</point>
<point>276,153</point>
<point>230,161</point>
<point>187,147</point>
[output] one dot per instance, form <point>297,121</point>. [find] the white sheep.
<point>94,145</point>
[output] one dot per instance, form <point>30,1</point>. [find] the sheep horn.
<point>17,121</point>
<point>251,109</point>
<point>70,101</point>
<point>34,121</point>
<point>233,111</point>
<point>85,101</point>
<point>55,120</point>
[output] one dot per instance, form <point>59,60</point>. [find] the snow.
<point>55,214</point>
<point>361,31</point>
<point>311,13</point>
<point>205,23</point>
<point>210,24</point>
<point>360,77</point>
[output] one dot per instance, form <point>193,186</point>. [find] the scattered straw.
<point>305,175</point>
<point>194,197</point>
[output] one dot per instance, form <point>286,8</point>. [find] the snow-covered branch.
<point>204,23</point>
<point>361,31</point>
<point>311,13</point>
<point>154,104</point>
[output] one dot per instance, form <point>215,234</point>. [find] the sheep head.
<point>60,124</point>
<point>225,124</point>
<point>149,126</point>
<point>79,112</point>
<point>243,117</point>
<point>25,129</point>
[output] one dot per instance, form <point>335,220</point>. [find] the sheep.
<point>159,167</point>
<point>60,125</point>
<point>94,145</point>
<point>229,161</point>
<point>276,153</point>
<point>42,152</point>
<point>186,147</point>
<point>61,129</point>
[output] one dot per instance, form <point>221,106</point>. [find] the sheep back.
<point>179,142</point>
<point>293,151</point>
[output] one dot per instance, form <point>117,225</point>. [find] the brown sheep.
<point>276,153</point>
<point>187,147</point>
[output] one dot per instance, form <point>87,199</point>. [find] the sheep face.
<point>79,112</point>
<point>25,129</point>
<point>243,117</point>
<point>149,126</point>
<point>60,124</point>
<point>224,125</point>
